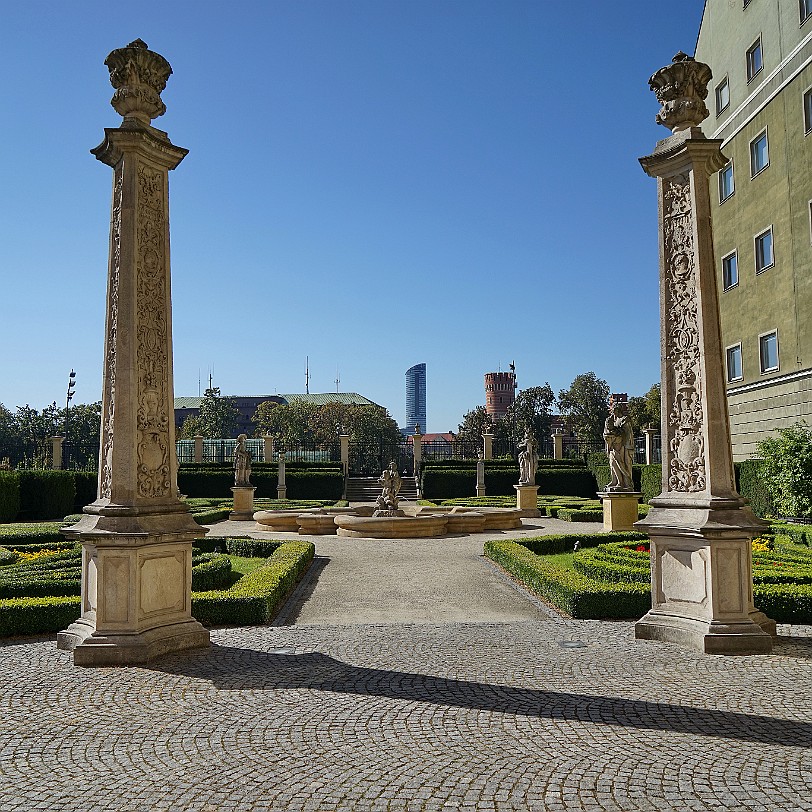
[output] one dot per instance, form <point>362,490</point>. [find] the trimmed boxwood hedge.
<point>566,481</point>
<point>87,488</point>
<point>33,536</point>
<point>577,595</point>
<point>9,496</point>
<point>301,483</point>
<point>210,571</point>
<point>254,599</point>
<point>46,494</point>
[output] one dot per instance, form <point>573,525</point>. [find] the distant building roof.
<point>348,398</point>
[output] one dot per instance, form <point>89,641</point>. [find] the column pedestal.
<point>619,509</point>
<point>243,503</point>
<point>527,500</point>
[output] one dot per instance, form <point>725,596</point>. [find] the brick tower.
<point>500,392</point>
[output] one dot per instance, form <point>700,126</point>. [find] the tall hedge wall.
<point>302,483</point>
<point>448,483</point>
<point>9,496</point>
<point>46,494</point>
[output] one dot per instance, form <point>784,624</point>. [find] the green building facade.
<point>760,102</point>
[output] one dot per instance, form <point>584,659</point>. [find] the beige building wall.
<point>778,197</point>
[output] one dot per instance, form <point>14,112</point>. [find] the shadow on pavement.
<point>292,607</point>
<point>247,669</point>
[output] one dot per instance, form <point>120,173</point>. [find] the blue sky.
<point>370,184</point>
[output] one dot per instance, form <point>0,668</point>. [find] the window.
<point>730,271</point>
<point>764,250</point>
<point>808,109</point>
<point>768,351</point>
<point>734,363</point>
<point>806,10</point>
<point>726,185</point>
<point>755,59</point>
<point>723,93</point>
<point>759,154</point>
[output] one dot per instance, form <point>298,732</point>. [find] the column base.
<point>750,635</point>
<point>527,501</point>
<point>480,490</point>
<point>281,492</point>
<point>619,509</point>
<point>243,503</point>
<point>93,649</point>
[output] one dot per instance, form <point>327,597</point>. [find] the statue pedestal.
<point>527,501</point>
<point>243,503</point>
<point>619,509</point>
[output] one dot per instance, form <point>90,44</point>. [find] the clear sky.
<point>370,183</point>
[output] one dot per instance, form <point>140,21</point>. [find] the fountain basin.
<point>392,527</point>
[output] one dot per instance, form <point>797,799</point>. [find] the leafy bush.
<point>27,616</point>
<point>651,481</point>
<point>580,515</point>
<point>314,484</point>
<point>566,481</point>
<point>787,470</point>
<point>46,494</point>
<point>211,515</point>
<point>9,496</point>
<point>252,548</point>
<point>45,534</point>
<point>751,484</point>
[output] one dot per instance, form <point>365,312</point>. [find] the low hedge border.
<point>254,599</point>
<point>574,593</point>
<point>251,601</point>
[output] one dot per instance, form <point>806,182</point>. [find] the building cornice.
<point>765,384</point>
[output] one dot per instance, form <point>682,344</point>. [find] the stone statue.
<point>387,503</point>
<point>242,463</point>
<point>619,438</point>
<point>528,459</point>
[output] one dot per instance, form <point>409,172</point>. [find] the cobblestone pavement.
<point>541,714</point>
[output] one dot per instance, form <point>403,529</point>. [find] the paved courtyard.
<point>487,701</point>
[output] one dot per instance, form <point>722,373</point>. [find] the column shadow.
<point>235,669</point>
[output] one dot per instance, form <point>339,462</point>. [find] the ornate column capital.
<point>682,88</point>
<point>139,76</point>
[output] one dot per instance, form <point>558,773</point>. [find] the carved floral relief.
<point>686,471</point>
<point>106,477</point>
<point>153,422</point>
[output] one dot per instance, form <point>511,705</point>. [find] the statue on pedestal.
<point>528,459</point>
<point>387,503</point>
<point>619,438</point>
<point>242,463</point>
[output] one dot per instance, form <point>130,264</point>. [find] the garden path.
<point>437,580</point>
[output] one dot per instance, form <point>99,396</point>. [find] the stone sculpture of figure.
<point>395,479</point>
<point>242,462</point>
<point>619,438</point>
<point>528,459</point>
<point>387,502</point>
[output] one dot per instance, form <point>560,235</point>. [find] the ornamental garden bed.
<point>235,581</point>
<point>609,575</point>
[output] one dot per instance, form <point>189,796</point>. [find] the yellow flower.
<point>33,556</point>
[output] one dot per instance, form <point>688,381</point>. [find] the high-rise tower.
<point>415,398</point>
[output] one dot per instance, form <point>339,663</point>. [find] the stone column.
<point>267,448</point>
<point>344,443</point>
<point>281,488</point>
<point>558,446</point>
<point>487,445</point>
<point>700,528</point>
<point>56,452</point>
<point>480,476</point>
<point>198,448</point>
<point>137,536</point>
<point>649,435</point>
<point>417,455</point>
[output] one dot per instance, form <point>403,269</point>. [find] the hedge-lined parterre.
<point>251,600</point>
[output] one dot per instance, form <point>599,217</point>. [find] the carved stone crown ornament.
<point>682,88</point>
<point>138,75</point>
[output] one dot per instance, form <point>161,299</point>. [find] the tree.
<point>216,418</point>
<point>787,470</point>
<point>474,424</point>
<point>531,409</point>
<point>653,404</point>
<point>585,405</point>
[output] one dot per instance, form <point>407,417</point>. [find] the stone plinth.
<point>619,509</point>
<point>243,503</point>
<point>527,501</point>
<point>137,536</point>
<point>700,528</point>
<point>281,521</point>
<point>392,527</point>
<point>316,524</point>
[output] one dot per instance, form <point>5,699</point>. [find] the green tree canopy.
<point>531,409</point>
<point>585,405</point>
<point>217,418</point>
<point>787,470</point>
<point>292,423</point>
